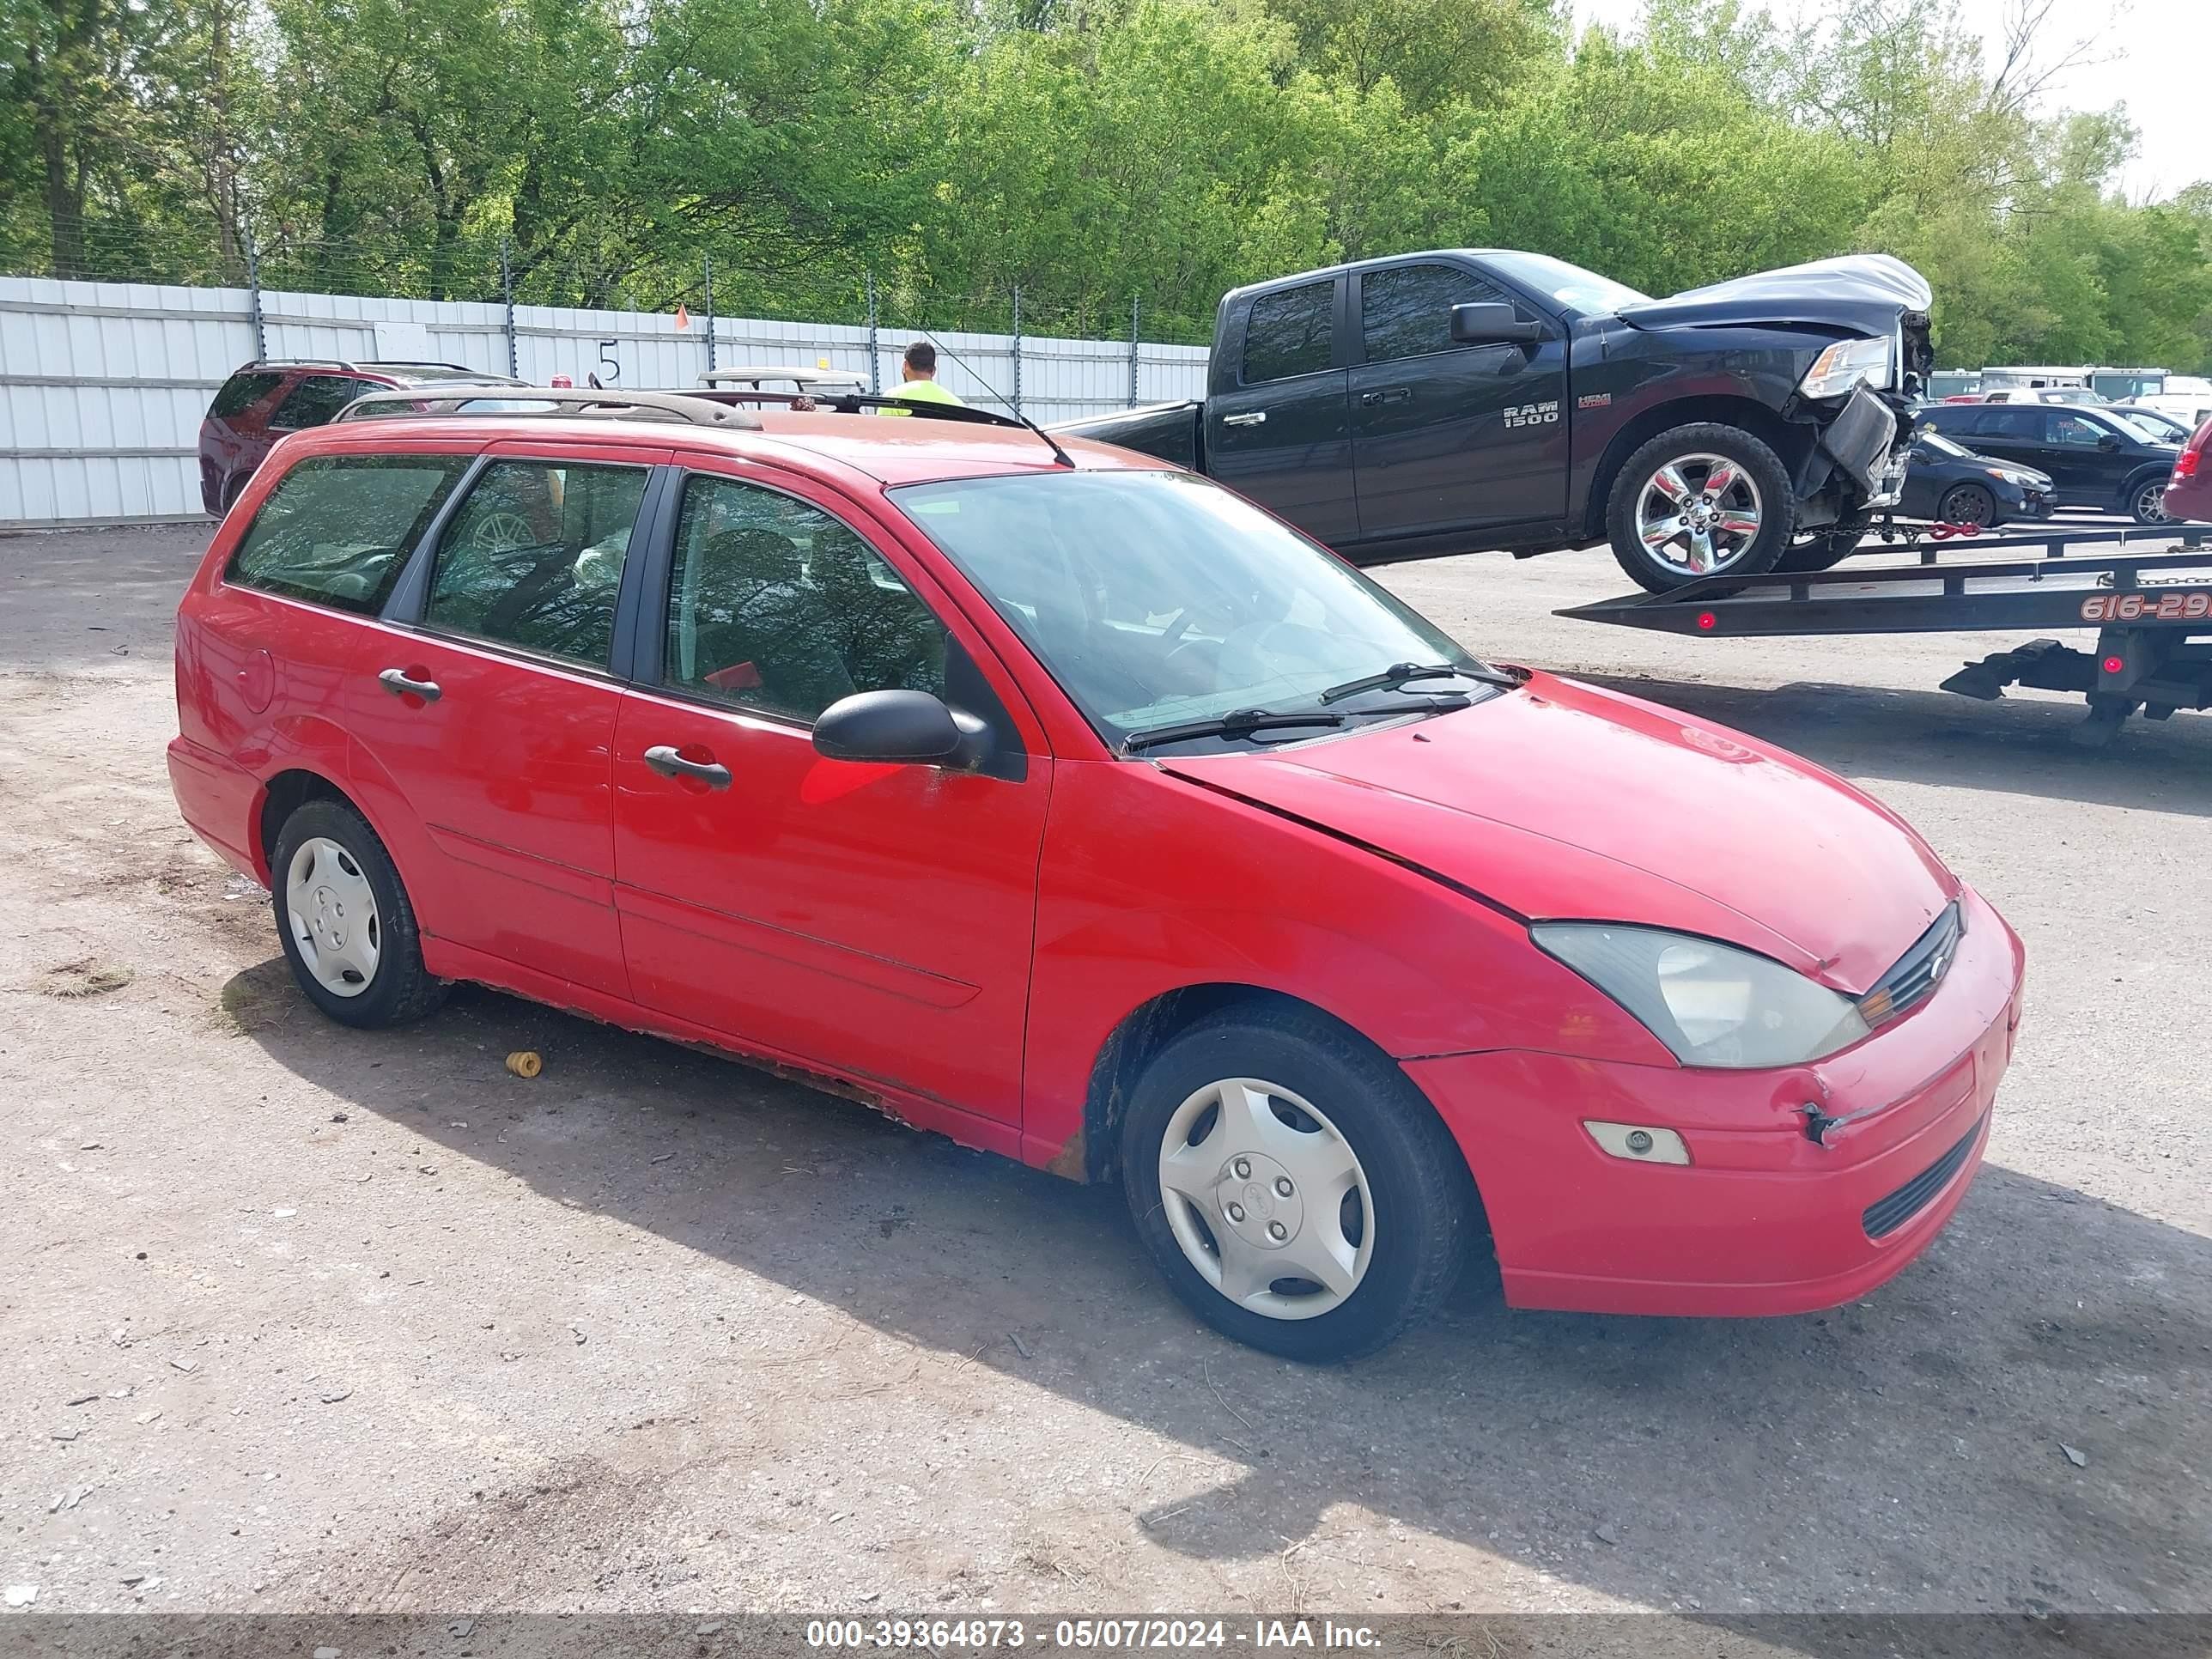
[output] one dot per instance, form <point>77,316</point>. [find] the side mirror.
<point>2108,443</point>
<point>905,727</point>
<point>1491,325</point>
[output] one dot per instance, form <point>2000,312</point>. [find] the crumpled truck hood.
<point>1865,293</point>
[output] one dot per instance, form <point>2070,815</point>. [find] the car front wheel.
<point>1700,501</point>
<point>2147,500</point>
<point>344,919</point>
<point>1296,1190</point>
<point>1967,503</point>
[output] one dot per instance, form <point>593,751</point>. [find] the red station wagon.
<point>1063,802</point>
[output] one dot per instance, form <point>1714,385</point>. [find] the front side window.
<point>775,606</point>
<point>1157,599</point>
<point>534,558</point>
<point>1291,331</point>
<point>316,402</point>
<point>2075,431</point>
<point>1406,311</point>
<point>337,529</point>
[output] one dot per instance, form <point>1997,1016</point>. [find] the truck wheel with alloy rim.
<point>1296,1189</point>
<point>2147,499</point>
<point>1700,501</point>
<point>346,924</point>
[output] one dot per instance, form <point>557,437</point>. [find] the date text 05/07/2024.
<point>1110,1635</point>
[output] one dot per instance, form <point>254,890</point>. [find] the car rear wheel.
<point>1700,501</point>
<point>1296,1190</point>
<point>2147,500</point>
<point>1967,503</point>
<point>344,919</point>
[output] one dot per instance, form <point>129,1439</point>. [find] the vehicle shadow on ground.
<point>2022,744</point>
<point>1794,1452</point>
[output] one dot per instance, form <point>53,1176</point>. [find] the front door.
<point>874,921</point>
<point>1278,429</point>
<point>1448,436</point>
<point>2014,433</point>
<point>492,714</point>
<point>2093,461</point>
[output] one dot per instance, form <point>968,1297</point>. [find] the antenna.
<point>1050,442</point>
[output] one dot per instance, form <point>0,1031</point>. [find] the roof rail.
<point>447,400</point>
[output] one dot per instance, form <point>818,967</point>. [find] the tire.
<point>1967,503</point>
<point>1761,491</point>
<point>1335,1110</point>
<point>344,919</point>
<point>2145,501</point>
<point>1824,549</point>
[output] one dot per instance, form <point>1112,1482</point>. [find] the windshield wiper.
<point>1237,723</point>
<point>1405,673</point>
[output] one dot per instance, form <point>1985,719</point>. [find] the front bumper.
<point>1866,442</point>
<point>1762,1220</point>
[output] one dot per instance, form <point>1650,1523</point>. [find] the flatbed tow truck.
<point>2150,599</point>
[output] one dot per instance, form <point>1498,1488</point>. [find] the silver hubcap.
<point>333,916</point>
<point>2151,504</point>
<point>1698,513</point>
<point>1267,1199</point>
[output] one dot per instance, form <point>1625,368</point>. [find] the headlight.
<point>1846,364</point>
<point>2005,475</point>
<point>1712,1004</point>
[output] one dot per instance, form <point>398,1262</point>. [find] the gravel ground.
<point>302,1319</point>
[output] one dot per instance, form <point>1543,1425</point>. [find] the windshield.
<point>2159,432</point>
<point>1936,442</point>
<point>1570,285</point>
<point>1157,599</point>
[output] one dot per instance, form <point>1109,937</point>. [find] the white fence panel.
<point>103,385</point>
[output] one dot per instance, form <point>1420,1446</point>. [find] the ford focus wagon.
<point>1063,803</point>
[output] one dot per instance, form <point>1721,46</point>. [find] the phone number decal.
<point>2148,607</point>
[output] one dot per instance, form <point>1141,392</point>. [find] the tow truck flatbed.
<point>2152,609</point>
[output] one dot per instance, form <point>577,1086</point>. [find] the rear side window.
<point>534,558</point>
<point>775,605</point>
<point>1290,332</point>
<point>1406,311</point>
<point>241,391</point>
<point>2022,420</point>
<point>337,528</point>
<point>316,402</point>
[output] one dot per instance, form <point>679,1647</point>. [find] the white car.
<point>2185,397</point>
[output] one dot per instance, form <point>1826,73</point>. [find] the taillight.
<point>2184,464</point>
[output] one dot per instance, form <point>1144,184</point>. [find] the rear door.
<point>874,921</point>
<point>489,720</point>
<point>2010,432</point>
<point>1448,436</point>
<point>1277,427</point>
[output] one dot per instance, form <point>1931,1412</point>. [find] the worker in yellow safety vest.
<point>918,375</point>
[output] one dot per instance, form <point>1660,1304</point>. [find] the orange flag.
<point>683,316</point>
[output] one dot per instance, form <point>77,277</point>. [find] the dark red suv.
<point>263,401</point>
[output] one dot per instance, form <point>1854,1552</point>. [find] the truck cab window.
<point>1291,333</point>
<point>1406,311</point>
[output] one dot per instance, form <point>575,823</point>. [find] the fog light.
<point>1638,1143</point>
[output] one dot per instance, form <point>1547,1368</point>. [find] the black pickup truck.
<point>1433,403</point>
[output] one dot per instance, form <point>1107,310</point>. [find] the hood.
<point>1867,293</point>
<point>1562,802</point>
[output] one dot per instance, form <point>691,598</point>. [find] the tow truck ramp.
<point>2152,610</point>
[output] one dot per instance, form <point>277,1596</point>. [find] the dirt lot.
<point>297,1318</point>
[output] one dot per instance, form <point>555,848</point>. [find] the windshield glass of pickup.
<point>1578,289</point>
<point>1157,599</point>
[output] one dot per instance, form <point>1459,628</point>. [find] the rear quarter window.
<point>338,529</point>
<point>241,391</point>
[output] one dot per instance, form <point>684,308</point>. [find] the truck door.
<point>1448,436</point>
<point>1276,426</point>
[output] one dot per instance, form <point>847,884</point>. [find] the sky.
<point>2154,57</point>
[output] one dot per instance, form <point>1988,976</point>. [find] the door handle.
<point>1392,394</point>
<point>1255,417</point>
<point>395,681</point>
<point>663,758</point>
